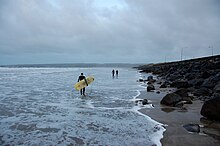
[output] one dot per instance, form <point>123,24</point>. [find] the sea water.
<point>39,106</point>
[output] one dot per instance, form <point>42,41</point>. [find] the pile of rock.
<point>150,83</point>
<point>177,99</point>
<point>201,77</point>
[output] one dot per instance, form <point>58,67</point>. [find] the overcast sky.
<point>107,31</point>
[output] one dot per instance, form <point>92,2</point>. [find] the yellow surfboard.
<point>83,83</point>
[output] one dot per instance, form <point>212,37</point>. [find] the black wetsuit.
<point>82,91</point>
<point>113,73</point>
<point>116,73</point>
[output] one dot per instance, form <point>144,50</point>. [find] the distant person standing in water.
<point>82,77</point>
<point>117,73</point>
<point>113,73</point>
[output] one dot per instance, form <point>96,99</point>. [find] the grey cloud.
<point>128,31</point>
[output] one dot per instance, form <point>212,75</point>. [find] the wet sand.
<point>174,119</point>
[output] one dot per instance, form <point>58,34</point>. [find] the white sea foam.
<point>38,106</point>
<point>158,128</point>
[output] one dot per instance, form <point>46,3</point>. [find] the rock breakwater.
<point>200,77</point>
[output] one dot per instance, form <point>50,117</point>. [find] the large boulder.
<point>171,99</point>
<point>180,84</point>
<point>211,109</point>
<point>184,94</point>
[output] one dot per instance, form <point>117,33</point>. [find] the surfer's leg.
<point>84,89</point>
<point>81,91</point>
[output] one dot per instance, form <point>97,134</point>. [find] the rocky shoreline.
<point>195,81</point>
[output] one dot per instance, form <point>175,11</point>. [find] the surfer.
<point>82,77</point>
<point>113,73</point>
<point>116,73</point>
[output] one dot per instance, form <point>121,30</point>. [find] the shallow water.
<point>38,106</point>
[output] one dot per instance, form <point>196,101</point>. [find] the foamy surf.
<point>40,107</point>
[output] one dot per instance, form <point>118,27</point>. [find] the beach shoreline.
<point>173,119</point>
<point>186,95</point>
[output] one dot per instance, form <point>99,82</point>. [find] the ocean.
<point>39,106</point>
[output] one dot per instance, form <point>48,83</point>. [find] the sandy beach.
<point>174,119</point>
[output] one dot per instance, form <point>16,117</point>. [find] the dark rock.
<point>145,101</point>
<point>187,100</point>
<point>205,121</point>
<point>205,75</point>
<point>150,88</point>
<point>180,84</point>
<point>196,82</point>
<point>191,89</point>
<point>211,82</point>
<point>215,95</point>
<point>179,104</point>
<point>165,84</point>
<point>151,82</point>
<point>157,71</point>
<point>174,77</point>
<point>202,92</point>
<point>149,78</point>
<point>171,99</point>
<point>140,80</point>
<point>217,88</point>
<point>204,98</point>
<point>182,92</point>
<point>190,76</point>
<point>141,101</point>
<point>211,109</point>
<point>159,82</point>
<point>138,102</point>
<point>158,92</point>
<point>192,127</point>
